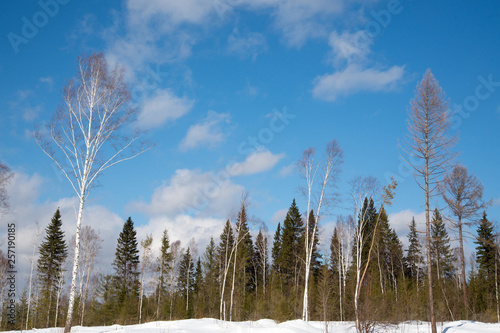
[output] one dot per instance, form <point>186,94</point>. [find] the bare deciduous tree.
<point>363,188</point>
<point>319,196</point>
<point>87,135</point>
<point>146,259</point>
<point>428,142</point>
<point>90,244</point>
<point>463,194</point>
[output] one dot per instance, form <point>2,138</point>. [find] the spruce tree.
<point>275,251</point>
<point>164,267</point>
<point>209,296</point>
<point>441,253</point>
<point>186,282</point>
<point>53,252</point>
<point>292,251</point>
<point>485,249</point>
<point>485,257</point>
<point>261,261</point>
<point>224,264</point>
<point>244,266</point>
<point>316,256</point>
<point>126,271</point>
<point>414,253</point>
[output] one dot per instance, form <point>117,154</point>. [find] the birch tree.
<point>86,135</point>
<point>428,146</point>
<point>318,194</point>
<point>146,259</point>
<point>463,194</point>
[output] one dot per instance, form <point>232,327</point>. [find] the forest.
<point>248,272</point>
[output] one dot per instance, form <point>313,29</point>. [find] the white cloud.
<point>192,191</point>
<point>400,222</point>
<point>259,161</point>
<point>496,202</point>
<point>162,107</point>
<point>48,81</point>
<point>26,212</point>
<point>249,45</point>
<point>279,216</point>
<point>183,228</point>
<point>354,79</point>
<point>300,20</point>
<point>349,46</point>
<point>288,170</point>
<point>209,132</point>
<point>165,15</point>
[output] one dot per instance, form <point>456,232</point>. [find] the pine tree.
<point>126,271</point>
<point>53,253</point>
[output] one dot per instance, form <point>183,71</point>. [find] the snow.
<point>266,325</point>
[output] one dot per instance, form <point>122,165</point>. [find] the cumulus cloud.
<point>201,228</point>
<point>400,222</point>
<point>162,107</point>
<point>349,46</point>
<point>209,132</point>
<point>279,216</point>
<point>354,79</point>
<point>259,161</point>
<point>31,217</point>
<point>193,191</point>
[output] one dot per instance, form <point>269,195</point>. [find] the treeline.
<point>247,274</point>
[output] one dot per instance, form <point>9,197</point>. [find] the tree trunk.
<point>428,247</point>
<point>462,267</point>
<point>71,301</point>
<point>87,284</point>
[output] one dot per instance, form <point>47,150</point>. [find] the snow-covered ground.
<point>266,325</point>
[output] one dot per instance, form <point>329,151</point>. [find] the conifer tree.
<point>275,251</point>
<point>186,281</point>
<point>414,252</point>
<point>485,257</point>
<point>244,272</point>
<point>53,253</point>
<point>126,270</point>
<point>316,256</point>
<point>164,267</point>
<point>291,259</point>
<point>441,253</point>
<point>262,264</point>
<point>485,249</point>
<point>210,289</point>
<point>292,250</point>
<point>225,252</point>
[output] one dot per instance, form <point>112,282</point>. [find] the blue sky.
<point>211,78</point>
